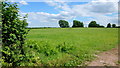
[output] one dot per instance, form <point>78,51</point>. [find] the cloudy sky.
<point>48,13</point>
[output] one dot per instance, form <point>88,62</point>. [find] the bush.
<point>43,47</point>
<point>47,49</point>
<point>65,47</point>
<point>30,57</point>
<point>14,32</point>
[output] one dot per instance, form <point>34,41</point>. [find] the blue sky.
<point>38,7</point>
<point>47,14</point>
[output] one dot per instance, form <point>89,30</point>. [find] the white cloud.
<point>23,2</point>
<point>102,19</point>
<point>103,7</point>
<point>29,22</point>
<point>97,10</point>
<point>46,19</point>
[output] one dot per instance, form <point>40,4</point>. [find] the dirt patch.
<point>108,58</point>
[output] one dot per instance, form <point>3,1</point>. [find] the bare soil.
<point>108,58</point>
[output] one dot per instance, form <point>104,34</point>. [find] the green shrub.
<point>30,58</point>
<point>14,32</point>
<point>43,47</point>
<point>65,47</point>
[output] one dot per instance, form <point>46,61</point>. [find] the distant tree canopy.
<point>108,25</point>
<point>93,24</point>
<point>63,24</point>
<point>113,25</point>
<point>101,26</point>
<point>77,24</point>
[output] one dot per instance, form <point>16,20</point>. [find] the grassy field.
<point>85,42</point>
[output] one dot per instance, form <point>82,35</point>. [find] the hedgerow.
<point>14,34</point>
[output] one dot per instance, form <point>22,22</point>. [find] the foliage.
<point>113,25</point>
<point>93,24</point>
<point>101,26</point>
<point>13,35</point>
<point>65,48</point>
<point>45,49</point>
<point>108,25</point>
<point>77,24</point>
<point>30,58</point>
<point>117,26</point>
<point>63,24</point>
<point>0,25</point>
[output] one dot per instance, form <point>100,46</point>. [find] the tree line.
<point>76,23</point>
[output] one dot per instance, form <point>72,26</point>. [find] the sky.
<point>48,13</point>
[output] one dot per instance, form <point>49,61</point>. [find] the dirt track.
<point>108,58</point>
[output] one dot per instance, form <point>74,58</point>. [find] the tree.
<point>108,25</point>
<point>113,25</point>
<point>77,24</point>
<point>63,24</point>
<point>97,25</point>
<point>93,24</point>
<point>13,34</point>
<point>101,26</point>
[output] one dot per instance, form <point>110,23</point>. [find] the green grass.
<point>87,41</point>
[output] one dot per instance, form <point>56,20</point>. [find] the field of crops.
<point>72,46</point>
